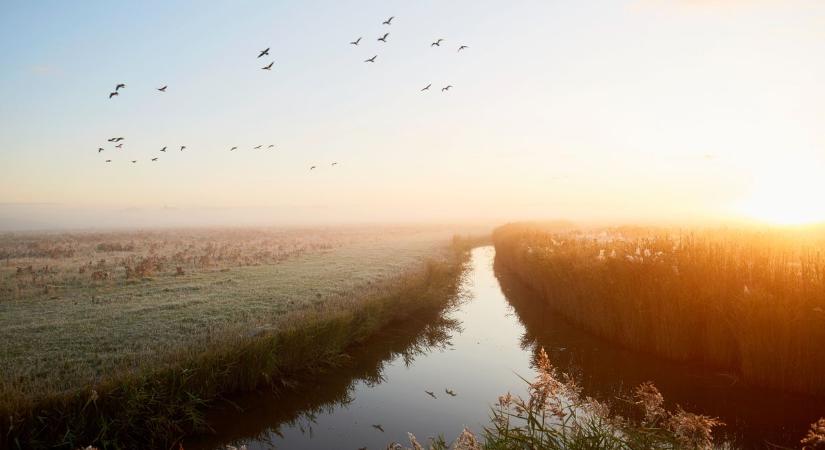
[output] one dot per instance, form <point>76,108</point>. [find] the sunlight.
<point>788,195</point>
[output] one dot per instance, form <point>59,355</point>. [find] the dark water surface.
<point>477,350</point>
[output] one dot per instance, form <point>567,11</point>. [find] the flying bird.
<point>182,147</point>
<point>372,60</point>
<point>379,428</point>
<point>312,168</point>
<point>112,94</point>
<point>270,146</point>
<point>388,21</point>
<point>119,146</point>
<point>257,147</point>
<point>112,139</point>
<point>154,159</point>
<point>163,149</point>
<point>99,149</point>
<point>462,48</point>
<point>263,52</point>
<point>427,88</point>
<point>450,392</point>
<point>446,88</point>
<point>134,161</point>
<point>431,394</point>
<point>436,43</point>
<point>356,42</point>
<point>118,139</point>
<point>268,67</point>
<point>233,149</point>
<point>384,37</point>
<point>108,160</point>
<point>163,89</point>
<point>334,164</point>
<point>121,85</point>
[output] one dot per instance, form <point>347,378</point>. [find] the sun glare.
<point>787,197</point>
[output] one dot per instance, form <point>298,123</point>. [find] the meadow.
<point>750,302</point>
<point>125,339</point>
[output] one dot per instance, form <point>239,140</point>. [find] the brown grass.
<point>752,302</point>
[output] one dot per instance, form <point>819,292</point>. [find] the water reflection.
<point>476,350</point>
<point>259,418</point>
<point>754,417</point>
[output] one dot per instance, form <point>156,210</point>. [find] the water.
<point>478,350</point>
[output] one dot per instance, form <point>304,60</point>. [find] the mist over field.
<point>384,224</point>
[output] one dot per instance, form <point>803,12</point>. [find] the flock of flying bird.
<point>383,38</point>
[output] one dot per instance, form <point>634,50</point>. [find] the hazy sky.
<point>607,110</point>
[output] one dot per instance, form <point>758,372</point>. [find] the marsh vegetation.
<point>749,302</point>
<point>125,362</point>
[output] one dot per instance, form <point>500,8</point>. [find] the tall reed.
<point>751,302</point>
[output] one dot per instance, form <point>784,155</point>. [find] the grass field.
<point>123,341</point>
<point>747,301</point>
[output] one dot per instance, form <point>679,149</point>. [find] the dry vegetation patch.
<point>750,301</point>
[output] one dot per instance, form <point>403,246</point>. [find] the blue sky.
<point>594,110</point>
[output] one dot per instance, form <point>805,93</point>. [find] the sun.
<point>787,196</point>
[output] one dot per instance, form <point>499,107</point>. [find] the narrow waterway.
<point>477,350</point>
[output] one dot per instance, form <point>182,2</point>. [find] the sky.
<point>611,110</point>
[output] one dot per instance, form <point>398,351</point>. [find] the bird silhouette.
<point>182,147</point>
<point>268,67</point>
<point>119,146</point>
<point>121,85</point>
<point>233,149</point>
<point>431,394</point>
<point>446,88</point>
<point>154,159</point>
<point>312,168</point>
<point>257,147</point>
<point>270,146</point>
<point>118,139</point>
<point>108,160</point>
<point>356,42</point>
<point>163,149</point>
<point>436,43</point>
<point>134,161</point>
<point>334,164</point>
<point>263,52</point>
<point>379,428</point>
<point>450,392</point>
<point>462,48</point>
<point>112,94</point>
<point>372,60</point>
<point>427,88</point>
<point>388,21</point>
<point>111,139</point>
<point>163,89</point>
<point>384,37</point>
<point>99,149</point>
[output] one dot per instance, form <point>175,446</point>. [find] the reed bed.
<point>751,302</point>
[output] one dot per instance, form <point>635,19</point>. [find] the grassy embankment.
<point>745,301</point>
<point>134,363</point>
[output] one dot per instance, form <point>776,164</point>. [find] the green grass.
<point>136,363</point>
